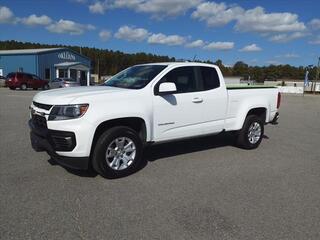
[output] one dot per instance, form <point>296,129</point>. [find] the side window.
<point>210,78</point>
<point>183,77</point>
<point>35,77</point>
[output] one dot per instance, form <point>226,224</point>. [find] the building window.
<point>47,73</point>
<point>63,73</point>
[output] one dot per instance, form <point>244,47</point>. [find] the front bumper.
<point>43,139</point>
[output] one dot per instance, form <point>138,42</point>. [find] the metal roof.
<point>29,51</point>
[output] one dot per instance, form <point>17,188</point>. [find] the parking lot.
<point>202,188</point>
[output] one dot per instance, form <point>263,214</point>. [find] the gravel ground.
<point>197,189</point>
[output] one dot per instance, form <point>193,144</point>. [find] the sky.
<point>256,32</point>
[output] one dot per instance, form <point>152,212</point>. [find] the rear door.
<point>180,114</point>
<point>37,82</point>
<point>215,100</point>
<point>28,79</point>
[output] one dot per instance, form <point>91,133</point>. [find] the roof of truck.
<point>180,63</point>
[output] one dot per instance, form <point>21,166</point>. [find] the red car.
<point>25,80</point>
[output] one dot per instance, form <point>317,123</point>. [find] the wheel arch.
<point>136,123</point>
<point>259,110</point>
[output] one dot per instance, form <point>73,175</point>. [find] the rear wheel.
<point>250,136</point>
<point>23,86</point>
<point>117,153</point>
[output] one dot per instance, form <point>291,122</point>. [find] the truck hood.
<point>69,95</point>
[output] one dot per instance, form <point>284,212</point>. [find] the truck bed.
<point>242,98</point>
<point>244,86</point>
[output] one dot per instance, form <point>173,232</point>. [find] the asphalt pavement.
<point>203,188</point>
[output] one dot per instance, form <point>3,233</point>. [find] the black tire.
<point>12,88</point>
<point>99,162</point>
<point>23,86</point>
<point>35,88</point>
<point>45,87</point>
<point>243,138</point>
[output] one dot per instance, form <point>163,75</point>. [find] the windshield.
<point>135,77</point>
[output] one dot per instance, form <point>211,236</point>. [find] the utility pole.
<point>98,69</point>
<point>317,77</point>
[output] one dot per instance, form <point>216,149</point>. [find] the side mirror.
<point>167,88</point>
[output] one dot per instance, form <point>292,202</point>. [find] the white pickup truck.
<point>107,126</point>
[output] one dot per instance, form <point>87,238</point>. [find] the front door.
<point>180,114</point>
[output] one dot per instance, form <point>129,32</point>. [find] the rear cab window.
<point>209,77</point>
<point>192,79</point>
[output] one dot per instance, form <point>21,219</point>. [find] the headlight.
<point>65,112</point>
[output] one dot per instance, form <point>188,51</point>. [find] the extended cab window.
<point>210,78</point>
<point>183,77</point>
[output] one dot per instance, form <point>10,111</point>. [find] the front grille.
<point>42,106</point>
<point>39,121</point>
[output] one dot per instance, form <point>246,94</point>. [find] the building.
<point>47,63</point>
<point>232,80</point>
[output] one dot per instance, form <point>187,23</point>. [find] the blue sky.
<point>256,32</point>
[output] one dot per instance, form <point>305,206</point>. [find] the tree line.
<point>109,62</point>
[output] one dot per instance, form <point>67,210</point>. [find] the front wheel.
<point>250,136</point>
<point>117,153</point>
<point>45,87</point>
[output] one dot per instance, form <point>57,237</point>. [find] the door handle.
<point>197,100</point>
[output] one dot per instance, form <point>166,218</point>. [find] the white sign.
<point>290,89</point>
<point>67,56</point>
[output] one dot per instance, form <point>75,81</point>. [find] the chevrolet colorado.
<point>107,126</point>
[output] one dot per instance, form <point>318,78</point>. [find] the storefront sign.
<point>67,56</point>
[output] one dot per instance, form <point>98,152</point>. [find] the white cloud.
<point>33,20</point>
<point>216,14</point>
<point>6,15</point>
<point>171,40</point>
<point>256,20</point>
<point>288,55</point>
<point>195,44</point>
<point>98,7</point>
<point>285,37</point>
<point>157,8</point>
<point>220,46</point>
<point>315,40</point>
<point>104,35</point>
<point>160,8</point>
<point>314,24</point>
<point>251,48</point>
<point>132,34</point>
<point>79,1</point>
<point>70,27</point>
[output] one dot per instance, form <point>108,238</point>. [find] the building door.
<point>83,79</point>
